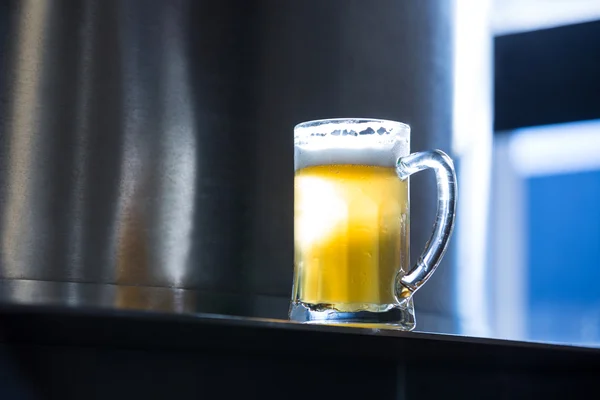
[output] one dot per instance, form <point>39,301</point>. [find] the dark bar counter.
<point>64,353</point>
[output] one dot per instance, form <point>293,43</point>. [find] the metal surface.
<point>149,143</point>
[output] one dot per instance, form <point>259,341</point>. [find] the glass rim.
<point>395,127</point>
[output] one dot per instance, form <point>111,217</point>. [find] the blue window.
<point>563,257</point>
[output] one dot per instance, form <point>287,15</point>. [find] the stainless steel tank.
<point>146,146</point>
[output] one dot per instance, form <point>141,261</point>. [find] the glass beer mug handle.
<point>436,246</point>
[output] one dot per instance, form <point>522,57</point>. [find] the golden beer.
<point>351,235</point>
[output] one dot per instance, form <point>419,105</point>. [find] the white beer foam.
<point>384,155</point>
<point>358,126</point>
<point>358,141</point>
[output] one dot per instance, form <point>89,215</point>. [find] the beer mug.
<point>352,224</point>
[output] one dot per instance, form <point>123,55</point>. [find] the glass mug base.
<point>391,316</point>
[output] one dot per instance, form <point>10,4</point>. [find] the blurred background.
<point>534,207</point>
<point>146,153</point>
